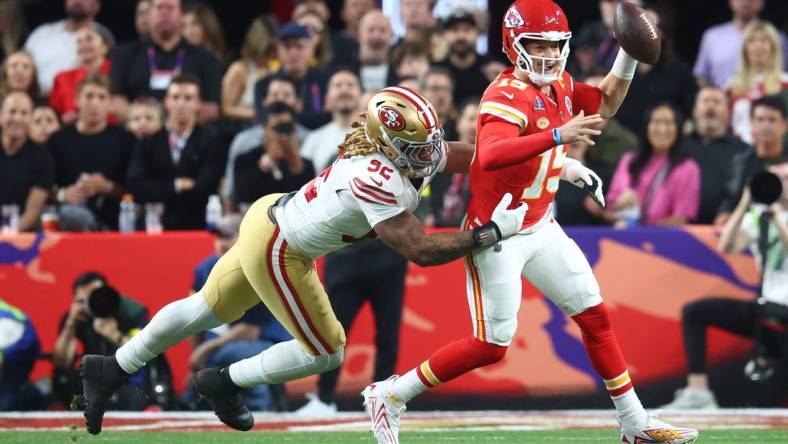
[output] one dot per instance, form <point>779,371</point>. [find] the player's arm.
<point>501,146</point>
<point>459,157</point>
<point>405,234</point>
<point>615,85</point>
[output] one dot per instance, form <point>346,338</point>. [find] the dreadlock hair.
<point>356,142</point>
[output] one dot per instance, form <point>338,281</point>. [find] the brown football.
<point>637,33</point>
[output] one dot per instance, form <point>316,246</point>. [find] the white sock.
<point>282,362</point>
<point>629,407</point>
<point>173,323</point>
<point>412,384</point>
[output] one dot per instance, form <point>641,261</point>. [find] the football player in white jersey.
<point>371,190</point>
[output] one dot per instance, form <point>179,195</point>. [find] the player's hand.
<point>508,221</point>
<point>580,129</point>
<point>585,179</point>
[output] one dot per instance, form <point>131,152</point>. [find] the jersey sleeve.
<point>376,196</point>
<point>585,97</point>
<point>504,103</point>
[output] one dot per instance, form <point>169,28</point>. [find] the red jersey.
<point>528,111</point>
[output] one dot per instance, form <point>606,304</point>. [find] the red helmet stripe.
<point>417,101</point>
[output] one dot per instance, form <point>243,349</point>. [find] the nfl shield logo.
<point>568,103</point>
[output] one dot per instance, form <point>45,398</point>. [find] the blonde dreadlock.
<point>356,142</point>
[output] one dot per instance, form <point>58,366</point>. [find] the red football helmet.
<point>536,20</point>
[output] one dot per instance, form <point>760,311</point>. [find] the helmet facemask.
<point>415,159</point>
<point>526,61</point>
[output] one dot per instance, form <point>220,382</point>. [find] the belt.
<point>280,202</point>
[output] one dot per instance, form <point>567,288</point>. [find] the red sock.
<point>464,355</point>
<point>603,349</point>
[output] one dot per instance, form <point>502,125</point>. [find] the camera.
<point>103,302</point>
<point>766,188</point>
<point>285,128</point>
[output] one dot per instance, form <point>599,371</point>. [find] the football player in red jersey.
<point>527,116</point>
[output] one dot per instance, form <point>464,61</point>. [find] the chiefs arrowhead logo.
<point>513,18</point>
<point>391,118</point>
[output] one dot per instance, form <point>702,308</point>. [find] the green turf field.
<point>454,437</point>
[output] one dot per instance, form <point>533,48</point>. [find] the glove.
<point>585,179</point>
<point>502,224</point>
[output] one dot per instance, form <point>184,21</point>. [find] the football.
<point>637,33</point>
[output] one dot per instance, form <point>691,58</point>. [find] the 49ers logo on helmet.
<point>391,118</point>
<point>513,18</point>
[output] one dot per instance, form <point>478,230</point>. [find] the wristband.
<point>624,66</point>
<point>487,234</point>
<point>557,136</point>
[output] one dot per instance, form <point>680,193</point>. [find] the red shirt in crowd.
<point>63,97</point>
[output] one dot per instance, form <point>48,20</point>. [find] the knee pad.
<point>501,331</point>
<point>325,363</point>
<point>594,322</point>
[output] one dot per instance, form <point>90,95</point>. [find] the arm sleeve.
<point>687,198</point>
<point>500,145</point>
<point>621,179</point>
<point>587,98</point>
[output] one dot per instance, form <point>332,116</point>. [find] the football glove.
<point>585,179</point>
<point>502,224</point>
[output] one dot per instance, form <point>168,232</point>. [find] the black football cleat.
<point>224,397</point>
<point>101,376</point>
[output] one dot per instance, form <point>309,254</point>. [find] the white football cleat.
<point>384,409</point>
<point>655,431</point>
<point>316,408</point>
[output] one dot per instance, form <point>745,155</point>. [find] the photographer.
<point>755,223</point>
<point>277,165</point>
<point>97,333</point>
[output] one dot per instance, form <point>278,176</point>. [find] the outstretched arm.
<point>459,157</point>
<point>615,85</point>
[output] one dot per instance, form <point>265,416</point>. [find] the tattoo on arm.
<point>405,234</point>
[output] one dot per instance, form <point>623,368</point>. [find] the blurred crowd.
<point>174,128</point>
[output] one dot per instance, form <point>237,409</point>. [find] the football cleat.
<point>384,410</point>
<point>655,431</point>
<point>215,386</point>
<point>101,376</point>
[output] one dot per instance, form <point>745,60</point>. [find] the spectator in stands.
<point>146,68</point>
<point>721,44</point>
<point>295,52</point>
<point>97,335</point>
<point>573,205</point>
<point>44,123</point>
<point>416,16</point>
<point>277,165</point>
<point>257,55</point>
<point>449,192</point>
<point>319,36</point>
<point>19,350</point>
<point>768,129</point>
<point>19,75</point>
<point>54,45</point>
<point>145,118</point>
<point>200,27</point>
<point>759,73</point>
<point>408,61</point>
<point>342,47</point>
<point>465,64</point>
<point>658,184</point>
<point>91,159</point>
<point>352,13</point>
<point>254,332</point>
<point>26,169</point>
<point>142,18</point>
<point>374,36</point>
<point>320,146</point>
<point>713,148</point>
<point>14,27</point>
<point>92,49</point>
<point>178,166</point>
<point>282,90</point>
<point>668,81</point>
<point>411,83</point>
<point>759,319</point>
<point>437,85</point>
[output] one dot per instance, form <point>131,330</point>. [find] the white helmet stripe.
<point>417,100</point>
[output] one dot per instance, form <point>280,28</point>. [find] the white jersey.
<point>344,203</point>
